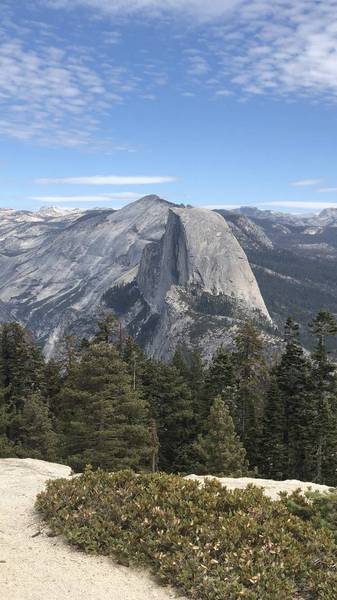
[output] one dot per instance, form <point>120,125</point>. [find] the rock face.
<point>170,274</point>
<point>194,280</point>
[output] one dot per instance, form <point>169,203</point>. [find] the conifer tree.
<point>105,422</point>
<point>272,460</point>
<point>21,364</point>
<point>136,360</point>
<point>180,363</point>
<point>293,376</point>
<point>324,327</point>
<point>68,353</point>
<point>196,374</point>
<point>219,451</point>
<point>54,377</point>
<point>252,379</point>
<point>172,408</point>
<point>109,329</point>
<point>37,439</point>
<point>219,381</point>
<point>329,445</point>
<point>22,373</point>
<point>191,368</point>
<point>6,447</point>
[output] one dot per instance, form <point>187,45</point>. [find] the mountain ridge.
<point>57,270</point>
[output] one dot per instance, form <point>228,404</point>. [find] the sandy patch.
<point>34,566</point>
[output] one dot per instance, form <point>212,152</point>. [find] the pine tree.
<point>219,451</point>
<point>68,353</point>
<point>21,364</point>
<point>104,420</point>
<point>252,380</point>
<point>22,373</point>
<point>54,377</point>
<point>172,408</point>
<point>324,327</point>
<point>109,330</point>
<point>37,439</point>
<point>272,461</point>
<point>6,447</point>
<point>196,374</point>
<point>220,380</point>
<point>180,363</point>
<point>293,377</point>
<point>329,446</point>
<point>136,360</point>
<point>190,367</point>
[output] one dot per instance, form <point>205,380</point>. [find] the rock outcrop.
<point>271,488</point>
<point>171,274</point>
<point>196,281</point>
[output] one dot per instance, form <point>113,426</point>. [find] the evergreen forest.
<point>103,402</point>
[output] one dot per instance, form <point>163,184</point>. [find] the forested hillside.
<point>103,402</point>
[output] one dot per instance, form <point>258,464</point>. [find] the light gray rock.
<point>197,263</point>
<point>271,488</point>
<point>162,263</point>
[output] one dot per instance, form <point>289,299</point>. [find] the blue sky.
<point>219,103</point>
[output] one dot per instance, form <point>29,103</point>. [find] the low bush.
<point>318,508</point>
<point>209,542</point>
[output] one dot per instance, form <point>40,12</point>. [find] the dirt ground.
<point>34,566</point>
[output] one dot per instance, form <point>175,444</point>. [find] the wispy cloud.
<point>306,182</point>
<point>105,180</point>
<point>327,190</point>
<point>46,93</point>
<point>61,90</point>
<point>299,204</point>
<point>127,196</point>
<point>197,9</point>
<point>278,48</point>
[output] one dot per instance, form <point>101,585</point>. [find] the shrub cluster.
<point>209,542</point>
<point>320,509</point>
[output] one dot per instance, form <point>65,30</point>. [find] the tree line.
<point>103,402</point>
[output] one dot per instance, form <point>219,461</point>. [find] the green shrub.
<point>320,509</point>
<point>211,543</point>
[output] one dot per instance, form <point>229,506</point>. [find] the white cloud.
<point>105,180</point>
<point>129,196</point>
<point>59,91</point>
<point>278,47</point>
<point>306,182</point>
<point>281,48</point>
<point>45,93</point>
<point>327,190</point>
<point>198,9</point>
<point>223,93</point>
<point>299,204</point>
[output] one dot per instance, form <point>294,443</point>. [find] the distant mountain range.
<point>173,275</point>
<point>294,259</point>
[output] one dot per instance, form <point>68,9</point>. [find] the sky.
<point>217,104</point>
